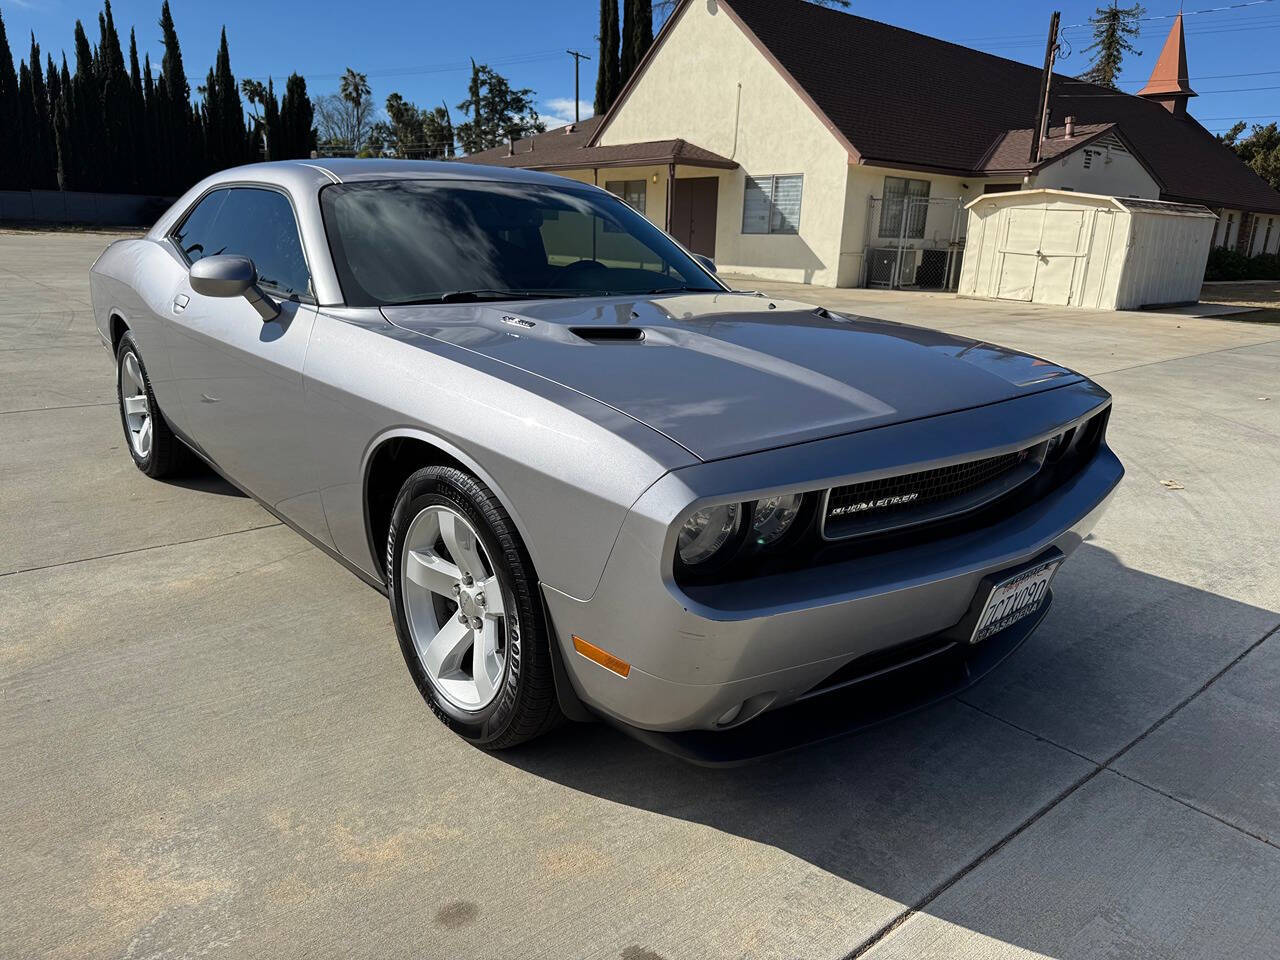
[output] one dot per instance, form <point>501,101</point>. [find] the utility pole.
<point>1042,105</point>
<point>577,61</point>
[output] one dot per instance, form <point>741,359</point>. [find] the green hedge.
<point>1227,264</point>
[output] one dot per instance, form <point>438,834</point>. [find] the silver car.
<point>591,479</point>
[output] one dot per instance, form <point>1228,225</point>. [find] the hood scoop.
<point>609,334</point>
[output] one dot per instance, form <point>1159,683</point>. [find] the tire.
<point>162,454</point>
<point>522,686</point>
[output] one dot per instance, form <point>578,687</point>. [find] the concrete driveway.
<point>212,746</point>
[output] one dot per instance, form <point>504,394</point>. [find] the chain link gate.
<point>913,242</point>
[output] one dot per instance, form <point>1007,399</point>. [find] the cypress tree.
<point>43,162</point>
<point>62,130</point>
<point>150,127</point>
<point>10,159</point>
<point>174,125</point>
<point>627,62</point>
<point>641,30</point>
<point>296,138</point>
<point>607,71</point>
<point>140,174</point>
<point>85,116</point>
<point>270,121</point>
<point>117,149</point>
<point>25,128</point>
<point>224,131</point>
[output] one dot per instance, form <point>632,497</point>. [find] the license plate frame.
<point>1027,586</point>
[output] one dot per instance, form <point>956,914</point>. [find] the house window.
<point>1226,233</point>
<point>632,191</point>
<point>904,198</point>
<point>1266,237</point>
<point>772,204</point>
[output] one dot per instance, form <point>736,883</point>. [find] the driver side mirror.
<point>226,275</point>
<point>707,263</point>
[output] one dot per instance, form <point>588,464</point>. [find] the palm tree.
<point>354,88</point>
<point>355,92</point>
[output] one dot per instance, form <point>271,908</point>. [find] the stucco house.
<point>795,142</point>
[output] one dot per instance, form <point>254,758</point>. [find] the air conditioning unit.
<point>885,269</point>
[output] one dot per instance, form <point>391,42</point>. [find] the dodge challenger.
<point>592,479</point>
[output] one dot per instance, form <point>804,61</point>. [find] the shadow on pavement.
<point>903,808</point>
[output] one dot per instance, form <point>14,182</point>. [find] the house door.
<point>693,213</point>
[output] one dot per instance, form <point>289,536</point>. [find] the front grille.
<point>911,498</point>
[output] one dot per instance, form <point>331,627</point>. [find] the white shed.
<point>1085,250</point>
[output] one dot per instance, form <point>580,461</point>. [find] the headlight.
<point>773,516</point>
<point>706,531</point>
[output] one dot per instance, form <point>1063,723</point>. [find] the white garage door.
<point>1042,250</point>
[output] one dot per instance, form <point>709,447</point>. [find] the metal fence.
<point>913,242</point>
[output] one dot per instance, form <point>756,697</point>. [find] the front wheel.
<point>467,612</point>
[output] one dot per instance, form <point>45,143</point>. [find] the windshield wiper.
<point>685,287</point>
<point>478,296</point>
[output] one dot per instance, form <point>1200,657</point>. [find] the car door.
<point>240,379</point>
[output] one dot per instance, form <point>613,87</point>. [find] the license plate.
<point>1015,598</point>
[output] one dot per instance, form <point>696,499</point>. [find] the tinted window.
<point>254,223</point>
<point>415,241</point>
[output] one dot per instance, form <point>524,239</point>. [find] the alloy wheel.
<point>455,607</point>
<point>137,409</point>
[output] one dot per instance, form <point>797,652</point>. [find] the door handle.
<point>180,302</point>
<point>205,398</point>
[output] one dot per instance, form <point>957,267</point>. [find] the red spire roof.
<point>1169,78</point>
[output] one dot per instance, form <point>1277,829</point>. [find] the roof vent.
<point>608,334</point>
<point>570,127</point>
<point>1071,127</point>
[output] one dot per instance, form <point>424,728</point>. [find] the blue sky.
<point>421,49</point>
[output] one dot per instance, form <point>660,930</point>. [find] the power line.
<point>445,68</point>
<point>1203,93</point>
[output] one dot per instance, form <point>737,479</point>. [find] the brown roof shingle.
<point>902,98</point>
<point>565,148</point>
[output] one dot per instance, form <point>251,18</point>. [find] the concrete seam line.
<point>125,553</point>
<point>1120,773</point>
<point>1186,700</point>
<point>1191,806</point>
<point>1189,356</point>
<point>995,848</point>
<point>964,871</point>
<point>1030,733</point>
<point>68,406</point>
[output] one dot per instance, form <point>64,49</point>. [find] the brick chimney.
<point>1169,84</point>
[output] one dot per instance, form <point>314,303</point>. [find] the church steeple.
<point>1169,83</point>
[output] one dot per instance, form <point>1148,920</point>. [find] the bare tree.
<point>344,119</point>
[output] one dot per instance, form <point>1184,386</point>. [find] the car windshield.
<point>451,241</point>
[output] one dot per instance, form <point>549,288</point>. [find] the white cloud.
<point>558,111</point>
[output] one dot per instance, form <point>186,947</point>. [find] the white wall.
<point>709,84</point>
<point>864,182</point>
<point>1111,172</point>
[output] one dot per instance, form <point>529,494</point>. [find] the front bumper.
<point>764,643</point>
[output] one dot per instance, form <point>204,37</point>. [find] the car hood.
<point>725,374</point>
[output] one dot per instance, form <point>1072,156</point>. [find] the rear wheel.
<point>153,446</point>
<point>467,612</point>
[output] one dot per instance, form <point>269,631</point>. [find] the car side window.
<point>194,236</point>
<point>254,223</point>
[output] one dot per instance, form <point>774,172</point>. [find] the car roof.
<point>302,173</point>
